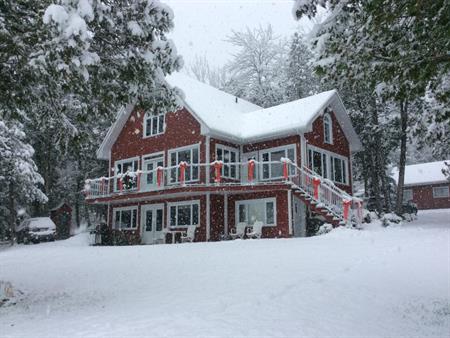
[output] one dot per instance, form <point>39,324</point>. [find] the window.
<point>407,195</point>
<point>183,214</point>
<point>338,170</point>
<point>328,165</point>
<point>129,165</point>
<point>440,192</point>
<point>189,155</point>
<point>228,155</point>
<point>154,124</point>
<point>149,165</point>
<point>275,170</point>
<point>258,210</point>
<point>125,218</point>
<point>327,128</point>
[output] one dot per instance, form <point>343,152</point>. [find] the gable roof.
<point>422,173</point>
<point>235,119</point>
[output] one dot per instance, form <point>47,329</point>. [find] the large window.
<point>275,170</point>
<point>407,195</point>
<point>123,167</point>
<point>183,214</point>
<point>327,128</point>
<point>189,155</point>
<point>154,124</point>
<point>125,218</point>
<point>257,210</point>
<point>440,192</point>
<point>228,155</point>
<point>328,165</point>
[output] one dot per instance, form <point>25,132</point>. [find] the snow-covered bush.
<point>7,293</point>
<point>390,218</point>
<point>324,229</point>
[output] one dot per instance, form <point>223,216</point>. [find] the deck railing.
<point>322,192</point>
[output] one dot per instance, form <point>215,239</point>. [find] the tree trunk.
<point>12,213</point>
<point>376,159</point>
<point>402,160</point>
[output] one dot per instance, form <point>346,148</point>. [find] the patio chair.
<point>189,235</point>
<point>239,232</point>
<point>161,238</point>
<point>256,230</point>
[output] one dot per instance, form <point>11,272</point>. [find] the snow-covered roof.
<point>235,119</point>
<point>423,173</point>
<point>37,222</point>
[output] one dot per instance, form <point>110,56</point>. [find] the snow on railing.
<point>322,191</point>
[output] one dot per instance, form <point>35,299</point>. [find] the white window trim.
<point>175,150</point>
<point>144,128</point>
<point>145,207</point>
<point>116,163</point>
<point>270,150</point>
<point>176,204</point>
<point>257,201</point>
<point>125,209</point>
<point>330,154</point>
<point>230,149</point>
<point>327,116</point>
<point>409,199</point>
<point>440,187</point>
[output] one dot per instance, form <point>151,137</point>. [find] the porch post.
<point>225,214</point>
<point>208,159</point>
<point>289,197</point>
<point>208,216</point>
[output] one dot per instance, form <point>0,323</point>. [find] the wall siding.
<point>423,197</point>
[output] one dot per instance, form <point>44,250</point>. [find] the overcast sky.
<point>201,26</point>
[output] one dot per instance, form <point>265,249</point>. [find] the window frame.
<point>269,151</point>
<point>327,121</point>
<point>446,187</point>
<point>116,164</point>
<point>411,192</point>
<point>177,204</point>
<point>237,157</point>
<point>121,209</point>
<point>151,157</point>
<point>257,201</point>
<point>151,116</point>
<point>190,147</point>
<point>329,166</point>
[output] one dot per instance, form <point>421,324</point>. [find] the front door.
<point>150,177</point>
<point>244,171</point>
<point>299,217</point>
<point>152,218</point>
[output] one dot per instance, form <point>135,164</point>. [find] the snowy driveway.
<point>373,283</point>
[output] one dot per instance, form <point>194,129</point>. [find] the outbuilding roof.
<point>224,115</point>
<point>422,173</point>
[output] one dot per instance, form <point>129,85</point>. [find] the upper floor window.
<point>327,128</point>
<point>190,155</point>
<point>275,170</point>
<point>328,164</point>
<point>154,124</point>
<point>228,155</point>
<point>440,192</point>
<point>125,170</point>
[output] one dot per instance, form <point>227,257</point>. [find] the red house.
<point>426,185</point>
<point>221,166</point>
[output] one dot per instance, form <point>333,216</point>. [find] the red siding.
<point>182,129</point>
<point>340,144</point>
<point>423,197</point>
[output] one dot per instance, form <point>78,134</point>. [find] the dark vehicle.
<point>35,230</point>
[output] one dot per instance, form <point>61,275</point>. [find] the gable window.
<point>257,210</point>
<point>190,155</point>
<point>228,155</point>
<point>327,128</point>
<point>125,218</point>
<point>440,192</point>
<point>129,166</point>
<point>154,124</point>
<point>275,170</point>
<point>407,195</point>
<point>183,214</point>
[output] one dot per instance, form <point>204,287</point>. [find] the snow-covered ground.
<point>371,283</point>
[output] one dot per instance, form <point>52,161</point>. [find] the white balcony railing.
<point>322,192</point>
